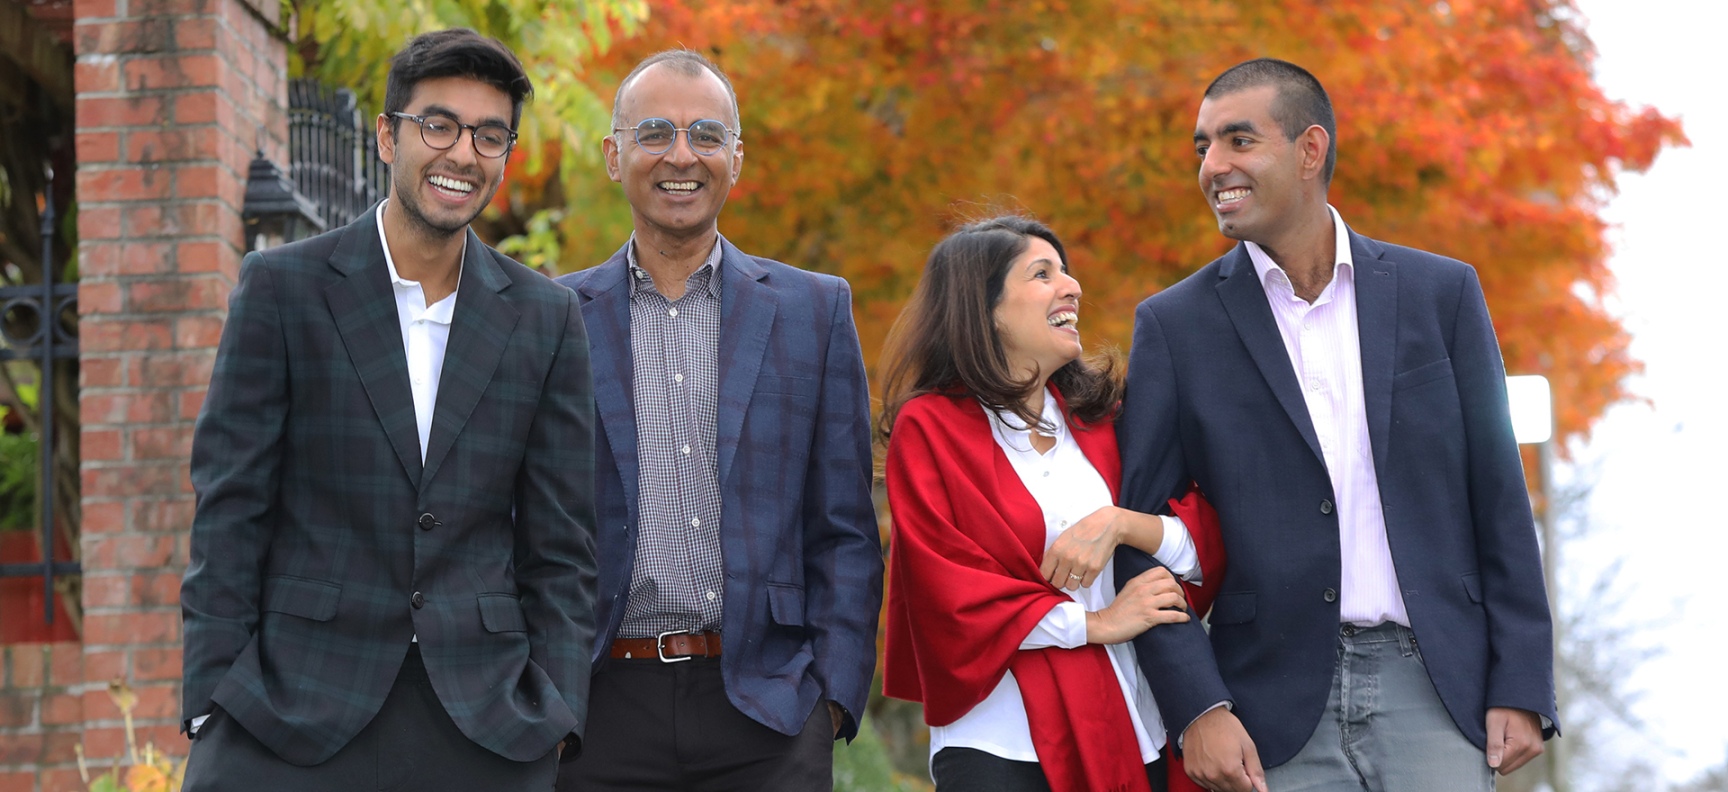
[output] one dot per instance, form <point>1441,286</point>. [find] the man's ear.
<point>1314,143</point>
<point>737,159</point>
<point>386,139</point>
<point>609,150</point>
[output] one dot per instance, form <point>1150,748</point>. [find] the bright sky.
<point>1661,470</point>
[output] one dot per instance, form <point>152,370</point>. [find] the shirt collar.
<point>442,311</point>
<point>640,277</point>
<point>1344,264</point>
<point>1009,425</point>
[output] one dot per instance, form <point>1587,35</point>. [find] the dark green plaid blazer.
<point>321,544</point>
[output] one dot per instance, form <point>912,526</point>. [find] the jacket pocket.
<point>502,613</point>
<point>1236,608</point>
<point>308,599</point>
<point>796,386</point>
<point>1473,587</point>
<point>786,604</point>
<point>1423,374</point>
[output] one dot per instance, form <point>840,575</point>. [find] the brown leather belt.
<point>670,647</point>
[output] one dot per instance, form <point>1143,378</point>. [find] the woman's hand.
<point>1152,598</point>
<point>1081,552</point>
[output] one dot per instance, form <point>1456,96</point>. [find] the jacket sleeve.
<point>1520,632</point>
<point>556,571</point>
<point>842,548</point>
<point>235,470</point>
<point>957,610</point>
<point>1177,659</point>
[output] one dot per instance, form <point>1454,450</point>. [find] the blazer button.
<point>428,522</point>
<point>1329,595</point>
<point>419,600</point>
<point>1325,507</point>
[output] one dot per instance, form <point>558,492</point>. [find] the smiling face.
<point>441,192</point>
<point>678,193</point>
<point>1038,315</point>
<point>1257,180</point>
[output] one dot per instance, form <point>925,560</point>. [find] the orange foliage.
<point>1471,128</point>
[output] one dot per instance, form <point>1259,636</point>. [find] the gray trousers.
<point>1384,728</point>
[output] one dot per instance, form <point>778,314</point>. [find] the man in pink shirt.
<point>1341,401</point>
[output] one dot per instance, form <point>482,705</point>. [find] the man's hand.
<point>838,716</point>
<point>1514,738</point>
<point>1219,756</point>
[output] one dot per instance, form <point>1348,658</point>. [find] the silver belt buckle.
<point>660,646</point>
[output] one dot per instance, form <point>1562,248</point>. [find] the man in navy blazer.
<point>740,569</point>
<point>1382,623</point>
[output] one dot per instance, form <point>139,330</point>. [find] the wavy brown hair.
<point>945,339</point>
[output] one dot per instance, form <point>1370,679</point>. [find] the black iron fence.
<point>333,152</point>
<point>37,313</point>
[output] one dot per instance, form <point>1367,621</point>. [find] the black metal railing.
<point>333,152</point>
<point>46,340</point>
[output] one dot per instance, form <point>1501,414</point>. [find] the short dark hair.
<point>457,52</point>
<point>689,63</point>
<point>946,341</point>
<point>1302,102</point>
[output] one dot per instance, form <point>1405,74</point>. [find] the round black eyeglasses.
<point>656,135</point>
<point>442,132</point>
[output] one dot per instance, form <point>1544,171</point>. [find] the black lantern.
<point>275,212</point>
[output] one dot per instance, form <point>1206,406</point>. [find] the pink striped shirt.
<point>1326,353</point>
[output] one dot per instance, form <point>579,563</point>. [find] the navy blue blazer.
<point>798,536</point>
<point>1212,396</point>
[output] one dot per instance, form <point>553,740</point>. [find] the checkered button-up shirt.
<point>676,583</point>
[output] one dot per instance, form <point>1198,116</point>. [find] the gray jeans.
<point>1384,728</point>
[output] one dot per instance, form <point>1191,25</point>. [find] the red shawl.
<point>964,590</point>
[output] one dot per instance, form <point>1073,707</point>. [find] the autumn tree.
<point>1469,128</point>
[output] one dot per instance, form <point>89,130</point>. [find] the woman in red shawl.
<point>1003,615</point>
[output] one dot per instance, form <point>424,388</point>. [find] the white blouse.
<point>1067,488</point>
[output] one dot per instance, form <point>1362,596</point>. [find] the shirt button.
<point>695,522</point>
<point>685,449</point>
<point>418,600</point>
<point>1329,595</point>
<point>1062,524</point>
<point>677,377</point>
<point>710,596</point>
<point>1325,507</point>
<point>1046,474</point>
<point>672,311</point>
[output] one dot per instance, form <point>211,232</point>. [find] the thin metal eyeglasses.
<point>657,135</point>
<point>441,132</point>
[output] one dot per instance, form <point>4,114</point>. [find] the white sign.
<point>1532,408</point>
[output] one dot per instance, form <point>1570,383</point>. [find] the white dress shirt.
<point>425,334</point>
<point>1066,488</point>
<point>1326,352</point>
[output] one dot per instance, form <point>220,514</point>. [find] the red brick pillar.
<point>173,98</point>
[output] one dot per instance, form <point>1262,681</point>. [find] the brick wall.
<point>173,98</point>
<point>41,716</point>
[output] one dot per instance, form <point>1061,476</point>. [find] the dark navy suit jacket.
<point>798,538</point>
<point>1213,397</point>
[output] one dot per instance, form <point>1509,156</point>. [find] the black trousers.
<point>971,770</point>
<point>410,745</point>
<point>669,726</point>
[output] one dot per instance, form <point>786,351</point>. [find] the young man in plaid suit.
<point>392,574</point>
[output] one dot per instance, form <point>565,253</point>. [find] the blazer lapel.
<point>364,308</point>
<point>1376,323</point>
<point>1245,301</point>
<point>605,301</point>
<point>747,308</point>
<point>479,331</point>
